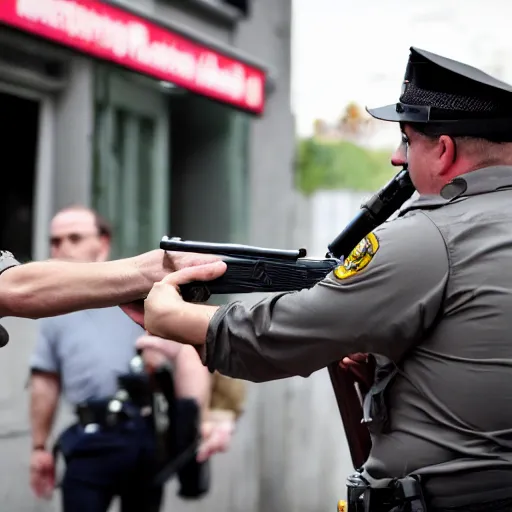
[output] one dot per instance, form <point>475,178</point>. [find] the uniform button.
<point>454,189</point>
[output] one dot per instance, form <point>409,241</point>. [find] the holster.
<point>183,438</point>
<point>349,391</point>
<point>399,495</point>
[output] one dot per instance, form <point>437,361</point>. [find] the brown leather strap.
<point>351,411</point>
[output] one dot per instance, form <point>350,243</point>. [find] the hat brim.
<point>404,114</point>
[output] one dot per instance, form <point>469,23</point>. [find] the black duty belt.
<point>108,413</point>
<point>399,495</point>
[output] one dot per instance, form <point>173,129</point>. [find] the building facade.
<point>172,117</point>
<point>168,116</point>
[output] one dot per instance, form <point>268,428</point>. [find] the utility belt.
<point>175,422</point>
<point>109,413</point>
<point>398,495</point>
<point>132,400</point>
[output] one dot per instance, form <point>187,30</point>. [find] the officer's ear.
<point>446,153</point>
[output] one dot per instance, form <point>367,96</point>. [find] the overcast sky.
<point>348,50</point>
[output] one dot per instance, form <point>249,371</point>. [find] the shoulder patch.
<point>359,258</point>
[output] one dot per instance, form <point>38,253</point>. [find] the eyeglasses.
<point>405,144</point>
<point>74,238</point>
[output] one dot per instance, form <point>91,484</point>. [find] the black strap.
<point>170,469</point>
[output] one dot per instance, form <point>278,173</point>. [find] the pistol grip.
<point>195,292</point>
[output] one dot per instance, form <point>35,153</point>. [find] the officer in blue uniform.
<point>89,358</point>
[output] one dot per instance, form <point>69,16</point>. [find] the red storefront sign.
<point>108,32</point>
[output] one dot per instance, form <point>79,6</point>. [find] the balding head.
<point>78,233</point>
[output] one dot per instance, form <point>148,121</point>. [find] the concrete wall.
<point>267,36</point>
<point>73,142</point>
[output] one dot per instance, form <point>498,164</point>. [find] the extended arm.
<point>49,288</point>
<point>222,399</point>
<point>45,389</point>
<point>378,303</point>
<point>191,378</point>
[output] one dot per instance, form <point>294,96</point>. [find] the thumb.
<point>205,272</point>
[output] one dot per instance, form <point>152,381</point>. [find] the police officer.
<point>84,358</point>
<point>429,292</point>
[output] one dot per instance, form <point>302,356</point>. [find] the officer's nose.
<point>399,157</point>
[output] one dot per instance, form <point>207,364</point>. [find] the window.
<point>131,172</point>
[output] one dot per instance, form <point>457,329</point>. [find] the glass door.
<point>131,169</point>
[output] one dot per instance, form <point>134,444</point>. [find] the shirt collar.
<point>480,181</point>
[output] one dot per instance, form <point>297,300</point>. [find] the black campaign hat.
<point>451,98</point>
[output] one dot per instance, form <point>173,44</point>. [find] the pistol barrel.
<point>247,251</point>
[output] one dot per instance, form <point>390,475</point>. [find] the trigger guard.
<point>198,294</point>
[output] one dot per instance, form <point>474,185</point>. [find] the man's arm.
<point>191,378</point>
<point>44,400</point>
<point>383,302</point>
<point>221,398</point>
<point>45,390</point>
<point>44,383</point>
<point>49,288</point>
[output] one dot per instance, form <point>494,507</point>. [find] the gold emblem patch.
<point>359,258</point>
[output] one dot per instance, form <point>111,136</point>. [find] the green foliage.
<point>340,165</point>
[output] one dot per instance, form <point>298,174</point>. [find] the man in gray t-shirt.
<point>81,355</point>
<point>88,350</point>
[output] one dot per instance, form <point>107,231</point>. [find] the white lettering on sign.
<point>129,39</point>
<point>210,75</point>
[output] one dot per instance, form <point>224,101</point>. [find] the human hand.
<point>360,365</point>
<point>353,360</point>
<point>155,266</point>
<point>217,433</point>
<point>154,346</point>
<point>153,359</point>
<point>42,473</point>
<point>167,315</point>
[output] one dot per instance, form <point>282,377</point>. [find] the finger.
<point>218,440</point>
<point>347,363</point>
<point>143,338</point>
<point>135,310</point>
<point>153,359</point>
<point>205,272</point>
<point>189,259</point>
<point>169,349</point>
<point>359,357</point>
<point>355,359</point>
<point>38,487</point>
<point>208,447</point>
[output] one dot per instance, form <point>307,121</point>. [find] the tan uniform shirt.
<point>228,395</point>
<point>432,291</point>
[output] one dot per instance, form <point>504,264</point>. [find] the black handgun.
<point>256,269</point>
